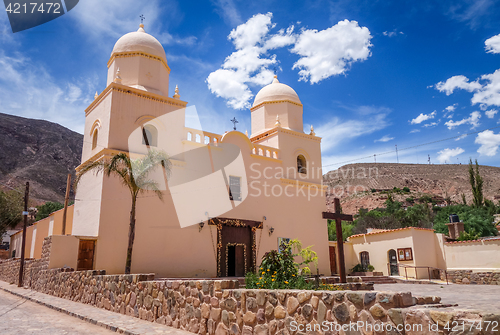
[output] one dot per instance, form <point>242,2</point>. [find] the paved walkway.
<point>19,316</point>
<point>484,298</point>
<point>78,313</point>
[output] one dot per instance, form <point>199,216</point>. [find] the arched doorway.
<point>393,262</point>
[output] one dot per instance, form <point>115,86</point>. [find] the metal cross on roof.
<point>142,18</point>
<point>234,121</point>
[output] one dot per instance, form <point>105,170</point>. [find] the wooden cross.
<point>339,217</point>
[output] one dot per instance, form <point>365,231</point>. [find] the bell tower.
<point>138,60</point>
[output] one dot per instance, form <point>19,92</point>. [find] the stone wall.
<point>471,277</point>
<point>9,269</point>
<point>219,307</point>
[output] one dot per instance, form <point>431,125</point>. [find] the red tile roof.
<point>390,231</point>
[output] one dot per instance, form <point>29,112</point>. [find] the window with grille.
<point>234,188</point>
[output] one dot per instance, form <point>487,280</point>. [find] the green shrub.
<point>279,270</point>
<point>406,189</point>
<point>360,268</point>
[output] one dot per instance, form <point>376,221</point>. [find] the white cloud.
<point>227,10</point>
<point>423,117</point>
<point>489,142</point>
<point>461,137</point>
<point>457,82</point>
<point>492,44</point>
<point>473,120</point>
<point>337,130</point>
<point>331,51</point>
<point>323,54</point>
<point>489,94</point>
<point>451,108</point>
<point>248,65</point>
<point>385,138</point>
<point>429,125</point>
<point>28,90</point>
<point>105,21</point>
<point>415,131</point>
<point>446,154</point>
<point>392,33</point>
<point>491,113</point>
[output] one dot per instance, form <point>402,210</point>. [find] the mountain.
<point>364,185</point>
<point>40,152</point>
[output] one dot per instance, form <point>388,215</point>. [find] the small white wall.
<point>482,255</point>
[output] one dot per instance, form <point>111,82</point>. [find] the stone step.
<point>378,279</point>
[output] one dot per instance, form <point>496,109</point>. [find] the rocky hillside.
<point>40,152</point>
<point>354,183</point>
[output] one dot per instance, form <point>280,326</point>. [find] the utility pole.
<point>397,157</point>
<point>25,214</point>
<point>375,157</point>
<point>429,159</point>
<point>66,199</point>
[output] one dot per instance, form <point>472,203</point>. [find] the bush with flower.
<point>279,270</point>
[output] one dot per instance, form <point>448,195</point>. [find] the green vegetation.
<point>476,220</point>
<point>135,175</point>
<point>346,230</point>
<point>476,183</point>
<point>11,208</point>
<point>360,268</point>
<point>279,270</point>
<point>478,217</point>
<point>47,208</point>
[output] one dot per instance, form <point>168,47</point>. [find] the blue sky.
<point>370,74</point>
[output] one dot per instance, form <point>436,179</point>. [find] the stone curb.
<point>94,321</point>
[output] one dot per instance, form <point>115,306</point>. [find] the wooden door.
<point>239,261</point>
<point>393,262</point>
<point>86,255</point>
<point>236,252</point>
<point>333,260</point>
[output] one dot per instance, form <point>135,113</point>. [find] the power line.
<point>412,147</point>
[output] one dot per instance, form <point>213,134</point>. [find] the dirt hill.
<point>354,183</point>
<point>40,152</point>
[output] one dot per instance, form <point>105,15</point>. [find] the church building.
<point>229,199</point>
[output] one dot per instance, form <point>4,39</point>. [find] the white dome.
<point>274,92</point>
<point>140,41</point>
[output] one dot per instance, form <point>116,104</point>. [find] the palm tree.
<point>134,174</point>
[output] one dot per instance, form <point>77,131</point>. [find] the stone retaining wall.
<point>9,268</point>
<point>219,307</point>
<point>470,277</point>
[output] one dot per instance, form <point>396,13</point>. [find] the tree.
<point>11,208</point>
<point>346,230</point>
<point>47,208</point>
<point>135,175</point>
<point>476,183</point>
<point>477,220</point>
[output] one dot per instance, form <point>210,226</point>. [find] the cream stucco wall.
<point>64,251</point>
<point>36,233</point>
<point>482,255</point>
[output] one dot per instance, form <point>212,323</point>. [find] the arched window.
<point>149,135</point>
<point>365,259</point>
<point>301,164</point>
<point>94,139</point>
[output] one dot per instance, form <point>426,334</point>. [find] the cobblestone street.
<point>19,316</point>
